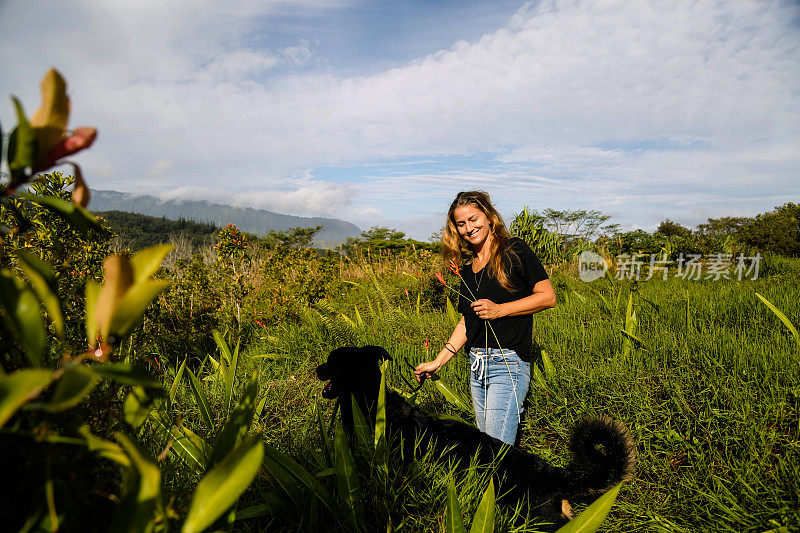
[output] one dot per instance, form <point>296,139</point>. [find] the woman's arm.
<point>457,341</point>
<point>543,297</point>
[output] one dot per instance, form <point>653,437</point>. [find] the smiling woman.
<point>502,284</point>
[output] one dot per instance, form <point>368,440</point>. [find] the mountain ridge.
<point>258,221</point>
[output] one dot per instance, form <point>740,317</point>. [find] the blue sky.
<point>380,112</point>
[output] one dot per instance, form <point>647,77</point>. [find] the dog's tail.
<point>603,454</point>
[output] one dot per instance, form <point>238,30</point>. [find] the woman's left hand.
<point>486,309</point>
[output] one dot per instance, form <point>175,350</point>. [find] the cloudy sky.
<point>379,112</point>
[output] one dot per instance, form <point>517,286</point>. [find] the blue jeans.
<point>499,382</point>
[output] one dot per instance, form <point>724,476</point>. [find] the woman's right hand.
<point>424,370</point>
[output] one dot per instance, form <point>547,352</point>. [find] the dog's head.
<point>352,370</point>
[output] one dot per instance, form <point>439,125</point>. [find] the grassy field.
<point>706,379</point>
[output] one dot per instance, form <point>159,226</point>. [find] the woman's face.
<point>472,224</point>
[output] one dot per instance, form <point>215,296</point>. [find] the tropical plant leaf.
<point>141,505</point>
<point>104,448</point>
<point>145,262</point>
<point>42,279</point>
<point>539,377</point>
<point>18,388</point>
<point>347,477</point>
<point>451,395</point>
<point>219,490</point>
<point>23,146</point>
<point>452,315</point>
<point>287,476</point>
<point>549,369</point>
<point>201,399</point>
<point>454,522</point>
<point>77,216</point>
<point>380,413</point>
<point>23,316</point>
<point>50,120</point>
<point>483,521</point>
<point>137,406</point>
<point>126,374</point>
<point>238,423</point>
<point>92,292</point>
<point>365,436</point>
<point>74,385</point>
<point>184,443</point>
<point>132,306</point>
<point>782,317</point>
<point>175,382</point>
<point>592,517</point>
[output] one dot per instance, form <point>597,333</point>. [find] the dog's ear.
<point>378,352</point>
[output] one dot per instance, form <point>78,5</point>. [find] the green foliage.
<point>135,231</point>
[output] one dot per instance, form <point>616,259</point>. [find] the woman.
<point>502,284</point>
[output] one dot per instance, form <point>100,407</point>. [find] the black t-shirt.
<point>513,332</point>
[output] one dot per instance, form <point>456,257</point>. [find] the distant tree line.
<point>137,231</point>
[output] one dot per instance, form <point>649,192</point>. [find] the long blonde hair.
<point>456,248</point>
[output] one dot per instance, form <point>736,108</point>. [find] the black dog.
<point>603,453</point>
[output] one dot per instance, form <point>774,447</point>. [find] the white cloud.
<point>582,103</point>
<point>160,168</point>
<point>318,198</point>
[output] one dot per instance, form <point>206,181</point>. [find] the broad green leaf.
<point>23,316</point>
<point>219,490</point>
<point>133,305</point>
<point>538,376</point>
<point>104,448</point>
<point>77,216</point>
<point>238,423</point>
<point>141,504</point>
<point>43,280</point>
<point>200,399</point>
<point>782,317</point>
<point>285,474</point>
<point>592,517</point>
<point>175,382</point>
<point>347,478</point>
<point>451,395</point>
<point>50,120</point>
<point>23,146</point>
<point>255,511</point>
<point>483,521</point>
<point>74,385</point>
<point>118,275</point>
<point>365,436</point>
<point>145,262</point>
<point>126,374</point>
<point>183,442</point>
<point>633,337</point>
<point>453,315</point>
<point>380,416</point>
<point>92,292</point>
<point>137,406</point>
<point>18,388</point>
<point>454,522</point>
<point>549,369</point>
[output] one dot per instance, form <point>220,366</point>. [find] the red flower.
<point>426,344</point>
<point>453,267</point>
<point>440,278</point>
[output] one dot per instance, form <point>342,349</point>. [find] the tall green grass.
<point>706,381</point>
